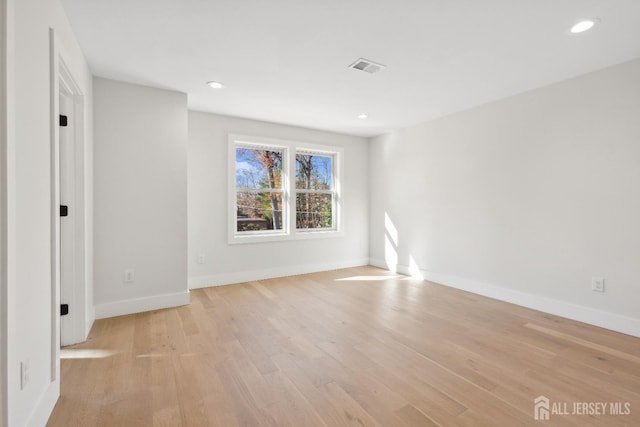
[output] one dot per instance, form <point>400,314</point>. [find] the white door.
<point>67,223</point>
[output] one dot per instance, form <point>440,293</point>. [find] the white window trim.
<point>289,231</point>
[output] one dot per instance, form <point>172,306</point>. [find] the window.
<point>259,190</point>
<point>281,190</point>
<point>315,194</point>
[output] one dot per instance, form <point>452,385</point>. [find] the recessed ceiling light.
<point>583,26</point>
<point>215,85</point>
<point>363,116</point>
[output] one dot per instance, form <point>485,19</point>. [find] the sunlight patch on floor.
<point>85,353</point>
<point>151,356</point>
<point>369,278</point>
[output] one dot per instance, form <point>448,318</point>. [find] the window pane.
<point>257,168</point>
<point>314,172</point>
<point>314,210</point>
<point>258,211</point>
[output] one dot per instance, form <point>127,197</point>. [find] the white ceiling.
<point>286,61</point>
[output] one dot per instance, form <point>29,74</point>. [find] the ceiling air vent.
<point>367,66</point>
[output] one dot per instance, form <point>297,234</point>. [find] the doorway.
<point>71,212</point>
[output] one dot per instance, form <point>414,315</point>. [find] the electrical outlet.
<point>24,374</point>
<point>129,275</point>
<point>200,259</point>
<point>597,284</point>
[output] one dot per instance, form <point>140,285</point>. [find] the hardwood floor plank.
<point>353,412</point>
<point>242,402</point>
<point>414,417</point>
<point>165,404</point>
<point>291,407</point>
<point>380,402</point>
<point>586,343</point>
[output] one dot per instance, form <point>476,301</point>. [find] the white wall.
<point>140,197</point>
<point>524,199</point>
<point>29,267</point>
<point>208,208</point>
<point>4,33</point>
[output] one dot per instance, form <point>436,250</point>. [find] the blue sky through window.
<point>320,169</point>
<point>251,172</point>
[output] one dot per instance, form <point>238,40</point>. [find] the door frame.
<point>77,211</point>
<point>62,79</point>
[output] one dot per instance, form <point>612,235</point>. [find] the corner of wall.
<point>4,178</point>
<point>44,408</point>
<point>140,305</point>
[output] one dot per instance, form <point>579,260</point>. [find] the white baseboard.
<point>270,273</point>
<point>139,305</point>
<point>603,319</point>
<point>44,408</point>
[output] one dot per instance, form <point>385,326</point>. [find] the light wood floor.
<point>357,347</point>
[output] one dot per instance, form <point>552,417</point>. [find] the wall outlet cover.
<point>597,284</point>
<point>129,275</point>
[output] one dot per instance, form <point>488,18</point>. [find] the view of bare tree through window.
<point>258,189</point>
<point>314,191</point>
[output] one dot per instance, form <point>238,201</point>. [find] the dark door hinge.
<point>64,210</point>
<point>63,120</point>
<point>64,309</point>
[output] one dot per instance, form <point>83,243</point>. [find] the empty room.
<point>319,213</point>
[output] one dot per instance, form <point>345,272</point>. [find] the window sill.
<point>284,237</point>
